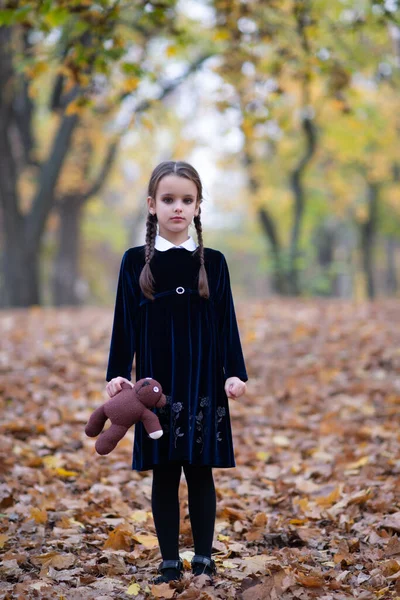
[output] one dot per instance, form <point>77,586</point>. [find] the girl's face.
<point>175,197</point>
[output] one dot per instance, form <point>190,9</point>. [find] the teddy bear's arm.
<point>96,422</point>
<point>151,424</point>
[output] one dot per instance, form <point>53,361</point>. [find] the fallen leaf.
<point>149,541</point>
<point>40,585</point>
<point>10,568</point>
<point>281,440</point>
<point>119,539</point>
<point>133,589</point>
<point>64,473</point>
<point>260,520</point>
<point>312,581</point>
<point>162,591</point>
<point>392,548</point>
<point>139,516</point>
<point>391,522</point>
<point>364,460</point>
<point>39,515</point>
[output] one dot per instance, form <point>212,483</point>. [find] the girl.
<point>174,308</point>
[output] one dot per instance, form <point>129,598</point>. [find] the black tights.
<point>165,506</point>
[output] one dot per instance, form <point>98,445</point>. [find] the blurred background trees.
<point>289,110</point>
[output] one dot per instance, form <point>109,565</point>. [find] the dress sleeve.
<point>233,360</point>
<point>122,346</point>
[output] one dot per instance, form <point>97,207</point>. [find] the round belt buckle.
<point>180,290</point>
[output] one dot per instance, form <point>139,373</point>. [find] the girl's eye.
<point>187,200</point>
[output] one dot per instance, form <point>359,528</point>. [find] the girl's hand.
<point>234,387</point>
<point>114,386</point>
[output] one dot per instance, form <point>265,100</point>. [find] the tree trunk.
<point>299,203</point>
<point>20,269</point>
<point>368,235</point>
<point>324,240</point>
<point>66,268</point>
<point>268,226</point>
<point>346,243</point>
<point>278,278</point>
<point>19,266</point>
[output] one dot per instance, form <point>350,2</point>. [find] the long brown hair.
<point>182,169</point>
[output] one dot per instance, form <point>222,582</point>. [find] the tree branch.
<point>141,107</point>
<point>50,171</point>
<point>104,171</point>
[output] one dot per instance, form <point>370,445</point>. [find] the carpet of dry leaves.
<point>312,509</point>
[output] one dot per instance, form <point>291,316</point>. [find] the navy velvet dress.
<point>189,344</point>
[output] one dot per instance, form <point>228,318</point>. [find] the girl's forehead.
<point>173,184</point>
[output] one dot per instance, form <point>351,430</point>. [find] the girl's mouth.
<point>177,219</point>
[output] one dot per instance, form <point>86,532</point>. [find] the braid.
<point>203,279</point>
<point>146,279</point>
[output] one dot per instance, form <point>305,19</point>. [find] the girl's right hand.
<point>114,386</point>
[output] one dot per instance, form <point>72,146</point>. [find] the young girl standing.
<point>174,308</point>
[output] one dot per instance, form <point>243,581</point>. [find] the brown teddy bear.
<point>126,408</point>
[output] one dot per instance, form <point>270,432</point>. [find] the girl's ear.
<point>151,205</point>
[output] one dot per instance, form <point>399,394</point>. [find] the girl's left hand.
<point>234,387</point>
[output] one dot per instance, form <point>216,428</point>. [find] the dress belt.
<point>179,290</point>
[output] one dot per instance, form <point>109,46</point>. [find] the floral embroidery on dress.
<point>201,420</point>
<point>177,407</point>
<point>168,424</point>
<point>171,412</point>
<point>219,415</point>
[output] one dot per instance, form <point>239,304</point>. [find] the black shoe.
<point>171,570</point>
<point>202,565</point>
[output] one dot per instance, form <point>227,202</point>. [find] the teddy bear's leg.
<point>152,424</point>
<point>110,438</point>
<point>96,422</point>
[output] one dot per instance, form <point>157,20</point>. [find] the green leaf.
<point>131,69</point>
<point>114,53</point>
<point>45,6</point>
<point>56,17</point>
<point>80,27</point>
<point>6,17</point>
<point>9,16</point>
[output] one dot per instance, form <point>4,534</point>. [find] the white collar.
<point>162,244</point>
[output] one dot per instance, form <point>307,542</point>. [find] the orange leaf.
<point>260,520</point>
<point>39,515</point>
<point>149,541</point>
<point>162,591</point>
<point>232,514</point>
<point>330,498</point>
<point>312,581</point>
<point>119,539</point>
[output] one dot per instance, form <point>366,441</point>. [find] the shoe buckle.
<point>170,564</point>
